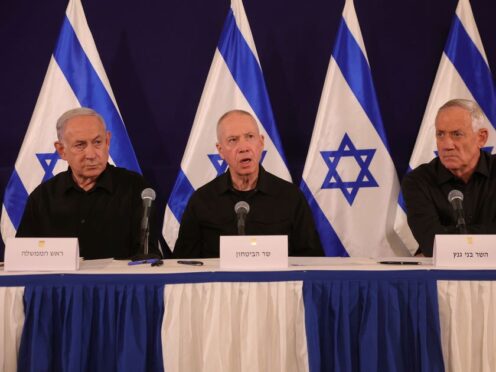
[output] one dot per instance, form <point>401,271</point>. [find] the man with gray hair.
<point>462,165</point>
<point>94,201</point>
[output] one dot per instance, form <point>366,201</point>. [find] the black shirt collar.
<point>104,181</point>
<point>444,175</point>
<point>263,183</point>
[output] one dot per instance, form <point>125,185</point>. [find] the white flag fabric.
<point>463,73</point>
<point>349,177</point>
<point>75,78</point>
<point>235,81</point>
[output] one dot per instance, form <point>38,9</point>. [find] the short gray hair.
<point>68,115</point>
<point>230,112</point>
<point>476,114</point>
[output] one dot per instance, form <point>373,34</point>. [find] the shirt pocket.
<point>268,225</point>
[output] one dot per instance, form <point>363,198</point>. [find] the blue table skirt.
<point>92,327</point>
<point>372,325</point>
<point>355,320</point>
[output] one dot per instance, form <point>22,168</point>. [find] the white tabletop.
<point>170,266</point>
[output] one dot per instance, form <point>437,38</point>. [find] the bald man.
<point>277,207</point>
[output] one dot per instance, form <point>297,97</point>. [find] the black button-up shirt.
<point>277,207</point>
<point>106,219</point>
<point>429,212</point>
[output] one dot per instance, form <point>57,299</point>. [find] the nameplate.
<point>254,252</point>
<point>465,250</point>
<point>41,254</point>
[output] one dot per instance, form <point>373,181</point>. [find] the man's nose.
<point>90,152</point>
<point>243,145</point>
<point>446,143</point>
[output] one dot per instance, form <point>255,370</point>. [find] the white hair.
<point>68,115</point>
<point>476,114</point>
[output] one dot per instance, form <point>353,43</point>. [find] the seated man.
<point>461,165</point>
<point>94,201</point>
<point>277,207</point>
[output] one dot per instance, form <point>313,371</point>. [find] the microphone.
<point>455,197</point>
<point>148,196</point>
<point>241,208</point>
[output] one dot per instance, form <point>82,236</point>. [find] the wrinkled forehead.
<point>84,126</point>
<point>453,118</point>
<point>237,124</point>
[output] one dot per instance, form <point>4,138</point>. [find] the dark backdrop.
<point>157,54</point>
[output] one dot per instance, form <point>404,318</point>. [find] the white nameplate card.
<point>42,254</point>
<point>465,250</point>
<point>254,252</point>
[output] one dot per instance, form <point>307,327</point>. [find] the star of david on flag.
<point>363,158</point>
<point>463,73</point>
<point>235,81</point>
<point>48,162</point>
<point>352,190</point>
<point>75,78</point>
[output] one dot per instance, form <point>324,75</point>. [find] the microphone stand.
<point>146,255</point>
<point>241,224</point>
<point>460,223</point>
<point>148,196</point>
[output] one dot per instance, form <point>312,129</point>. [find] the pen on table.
<point>192,263</point>
<point>399,262</point>
<point>139,262</point>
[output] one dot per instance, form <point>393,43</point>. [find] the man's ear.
<point>219,150</point>
<point>59,146</point>
<point>108,136</point>
<point>482,136</point>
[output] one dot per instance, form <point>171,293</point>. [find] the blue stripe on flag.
<point>180,195</point>
<point>401,201</point>
<point>356,71</point>
<point>91,92</point>
<point>472,67</point>
<point>330,241</point>
<point>248,75</point>
<point>15,199</point>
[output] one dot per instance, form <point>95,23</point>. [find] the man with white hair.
<point>94,201</point>
<point>461,165</point>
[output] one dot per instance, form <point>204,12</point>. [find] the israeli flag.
<point>463,73</point>
<point>349,178</point>
<point>235,81</point>
<point>75,78</point>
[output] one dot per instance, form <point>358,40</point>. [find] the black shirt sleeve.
<point>29,227</point>
<point>304,239</point>
<point>189,242</point>
<point>422,213</point>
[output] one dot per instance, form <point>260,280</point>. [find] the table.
<point>326,314</point>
